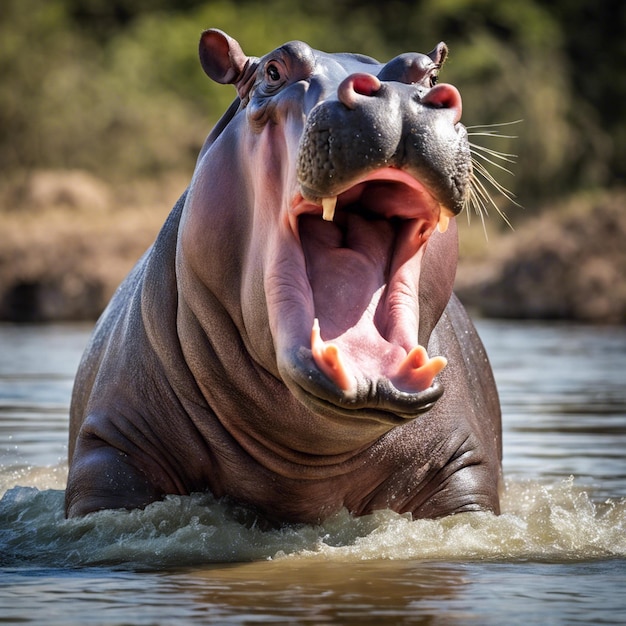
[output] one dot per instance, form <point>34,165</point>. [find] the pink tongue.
<point>346,267</point>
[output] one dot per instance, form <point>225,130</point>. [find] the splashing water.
<point>556,522</point>
<point>573,423</point>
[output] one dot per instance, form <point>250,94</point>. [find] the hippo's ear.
<point>439,54</point>
<point>221,57</point>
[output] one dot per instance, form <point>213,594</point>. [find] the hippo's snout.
<point>374,123</point>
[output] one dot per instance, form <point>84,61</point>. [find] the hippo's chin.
<point>353,316</point>
<point>378,401</point>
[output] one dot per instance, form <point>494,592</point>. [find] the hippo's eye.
<point>272,73</point>
<point>433,78</point>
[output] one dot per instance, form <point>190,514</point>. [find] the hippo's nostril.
<point>355,85</point>
<point>365,84</point>
<point>445,96</point>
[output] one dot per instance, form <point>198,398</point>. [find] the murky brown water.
<point>556,556</point>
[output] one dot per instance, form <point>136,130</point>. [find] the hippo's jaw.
<point>353,332</point>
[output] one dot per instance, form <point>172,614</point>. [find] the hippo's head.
<point>333,178</point>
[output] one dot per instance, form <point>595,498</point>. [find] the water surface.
<point>557,554</point>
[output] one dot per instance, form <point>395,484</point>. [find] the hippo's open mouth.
<point>362,250</point>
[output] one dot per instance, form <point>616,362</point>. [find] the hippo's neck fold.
<point>252,403</point>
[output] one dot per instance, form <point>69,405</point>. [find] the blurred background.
<point>104,107</point>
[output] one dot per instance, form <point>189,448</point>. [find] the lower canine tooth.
<point>328,206</point>
<point>417,371</point>
<point>328,359</point>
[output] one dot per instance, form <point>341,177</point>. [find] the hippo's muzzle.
<point>374,124</point>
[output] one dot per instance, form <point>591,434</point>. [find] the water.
<point>557,554</point>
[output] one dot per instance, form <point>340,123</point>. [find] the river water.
<point>557,554</point>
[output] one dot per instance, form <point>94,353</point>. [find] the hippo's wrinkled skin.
<point>267,346</point>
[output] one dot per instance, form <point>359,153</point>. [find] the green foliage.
<point>38,73</point>
<point>115,86</point>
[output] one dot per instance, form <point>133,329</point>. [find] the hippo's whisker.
<point>482,196</point>
<point>479,197</point>
<point>475,150</point>
<point>495,133</point>
<point>490,133</point>
<point>478,204</point>
<point>503,156</point>
<point>489,177</point>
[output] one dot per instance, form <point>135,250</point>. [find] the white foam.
<point>539,521</point>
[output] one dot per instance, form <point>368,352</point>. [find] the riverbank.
<point>68,239</point>
<point>568,263</point>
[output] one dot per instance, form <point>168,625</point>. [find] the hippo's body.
<point>268,346</point>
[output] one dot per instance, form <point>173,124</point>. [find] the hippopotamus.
<point>291,341</point>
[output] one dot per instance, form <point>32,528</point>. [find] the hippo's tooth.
<point>417,371</point>
<point>328,205</point>
<point>442,225</point>
<point>328,359</point>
